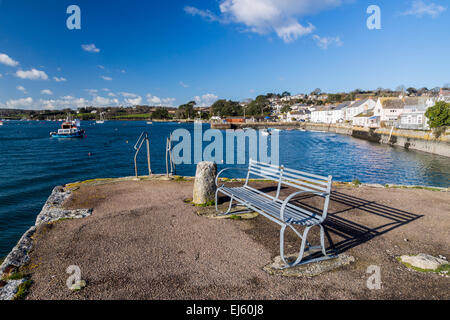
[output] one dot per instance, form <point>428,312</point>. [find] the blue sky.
<point>170,52</point>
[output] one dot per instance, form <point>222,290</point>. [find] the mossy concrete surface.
<point>277,267</point>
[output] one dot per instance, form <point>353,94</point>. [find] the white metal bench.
<point>283,212</point>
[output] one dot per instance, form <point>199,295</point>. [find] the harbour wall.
<point>424,141</point>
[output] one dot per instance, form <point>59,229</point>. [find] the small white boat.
<point>149,122</point>
<point>265,133</point>
<point>102,119</point>
<point>1,122</point>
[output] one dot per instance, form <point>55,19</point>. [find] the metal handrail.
<point>143,137</point>
<point>169,157</point>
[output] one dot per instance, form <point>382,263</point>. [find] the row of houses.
<point>401,112</point>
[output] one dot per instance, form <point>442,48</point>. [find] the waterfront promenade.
<point>143,241</point>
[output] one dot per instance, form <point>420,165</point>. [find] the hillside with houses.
<point>402,111</point>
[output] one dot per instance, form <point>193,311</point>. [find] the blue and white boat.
<point>69,129</point>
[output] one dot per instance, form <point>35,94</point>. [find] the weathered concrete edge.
<point>19,255</point>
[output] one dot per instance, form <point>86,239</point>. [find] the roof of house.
<point>359,103</point>
<point>300,112</point>
<point>400,103</point>
<point>343,105</point>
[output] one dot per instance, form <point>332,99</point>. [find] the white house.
<point>366,118</point>
<point>300,115</point>
<point>390,109</point>
<point>413,116</point>
<point>358,108</point>
<point>322,114</point>
<point>330,114</point>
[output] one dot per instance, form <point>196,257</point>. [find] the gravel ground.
<point>144,242</point>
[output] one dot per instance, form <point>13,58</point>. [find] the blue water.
<point>32,163</point>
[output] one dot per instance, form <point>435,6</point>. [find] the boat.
<point>1,122</point>
<point>265,133</point>
<point>102,119</point>
<point>69,129</point>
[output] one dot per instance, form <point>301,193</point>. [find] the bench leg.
<point>303,246</point>
<point>217,201</point>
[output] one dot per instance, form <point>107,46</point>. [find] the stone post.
<point>205,184</point>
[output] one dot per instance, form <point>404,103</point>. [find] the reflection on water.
<point>32,163</point>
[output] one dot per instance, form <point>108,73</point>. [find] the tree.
<point>333,98</point>
<point>226,108</point>
<point>161,113</point>
<point>411,91</point>
<point>286,94</point>
<point>316,92</point>
<point>186,111</point>
<point>439,115</point>
<point>259,107</point>
<point>286,109</point>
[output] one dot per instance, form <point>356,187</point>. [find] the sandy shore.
<point>144,242</point>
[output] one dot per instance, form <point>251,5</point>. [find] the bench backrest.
<point>302,181</point>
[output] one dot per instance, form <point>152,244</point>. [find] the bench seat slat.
<point>292,213</point>
<point>303,185</point>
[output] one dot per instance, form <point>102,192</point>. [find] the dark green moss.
<point>23,289</point>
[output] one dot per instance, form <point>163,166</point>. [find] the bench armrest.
<point>288,199</point>
<point>228,169</point>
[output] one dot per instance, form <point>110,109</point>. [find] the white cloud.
<point>111,94</point>
<point>266,16</point>
<point>206,100</point>
<point>157,101</point>
<point>5,59</point>
<point>106,78</point>
<point>32,74</point>
<point>62,103</point>
<point>205,14</point>
<point>133,102</point>
<point>420,8</point>
<point>184,85</point>
<point>325,42</point>
<point>24,103</point>
<point>20,88</point>
<point>92,92</point>
<point>61,79</point>
<point>128,95</point>
<point>47,92</point>
<point>90,48</point>
<point>101,101</point>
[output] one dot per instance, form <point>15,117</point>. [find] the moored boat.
<point>69,129</point>
<point>102,119</point>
